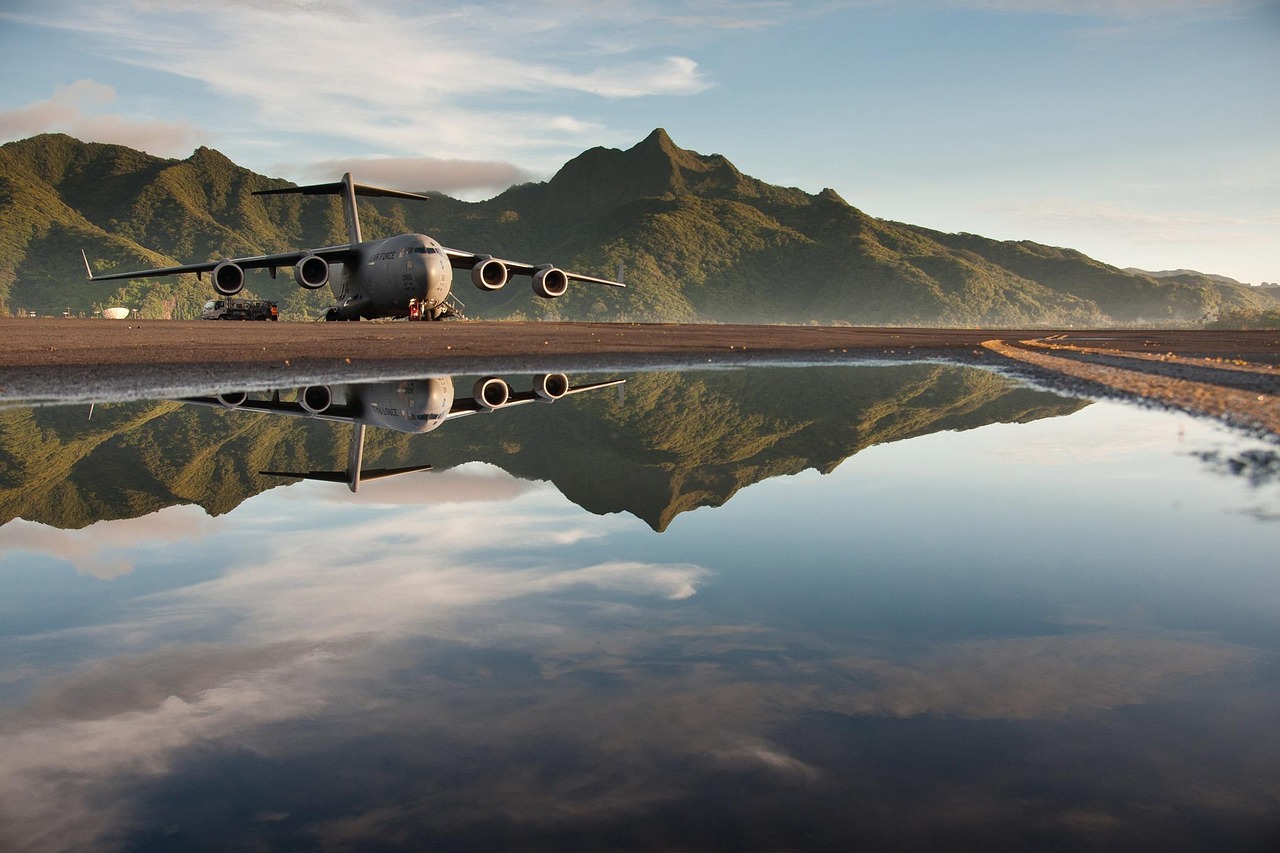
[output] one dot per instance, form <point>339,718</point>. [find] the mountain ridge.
<point>700,241</point>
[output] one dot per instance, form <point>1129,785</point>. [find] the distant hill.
<point>1179,273</point>
<point>698,239</point>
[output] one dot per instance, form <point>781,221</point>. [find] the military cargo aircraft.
<point>407,405</point>
<point>397,277</point>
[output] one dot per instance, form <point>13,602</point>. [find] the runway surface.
<point>56,342</point>
<point>1234,375</point>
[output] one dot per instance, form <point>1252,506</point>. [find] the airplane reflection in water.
<point>406,405</point>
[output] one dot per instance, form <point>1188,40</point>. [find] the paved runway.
<point>1230,375</point>
<point>150,343</point>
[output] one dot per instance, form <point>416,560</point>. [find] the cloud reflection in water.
<point>502,670</point>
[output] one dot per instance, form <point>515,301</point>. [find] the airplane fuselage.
<point>407,405</point>
<point>404,276</point>
<point>403,405</point>
<point>386,274</point>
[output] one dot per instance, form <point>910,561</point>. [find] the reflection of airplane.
<point>378,278</point>
<point>409,405</point>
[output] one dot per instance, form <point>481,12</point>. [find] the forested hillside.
<point>698,240</point>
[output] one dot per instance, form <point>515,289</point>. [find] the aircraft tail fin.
<point>348,189</point>
<point>354,474</point>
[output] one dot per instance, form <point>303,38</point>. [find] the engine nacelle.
<point>228,278</point>
<point>551,386</point>
<point>491,393</point>
<point>312,272</point>
<point>490,274</point>
<point>233,399</point>
<point>550,282</point>
<point>315,398</point>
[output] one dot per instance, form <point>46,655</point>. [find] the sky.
<point>1144,133</point>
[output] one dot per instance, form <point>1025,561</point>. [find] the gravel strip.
<point>1236,406</point>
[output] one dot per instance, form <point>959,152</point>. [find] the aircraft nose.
<point>434,276</point>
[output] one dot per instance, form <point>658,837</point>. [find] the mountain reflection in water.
<point>1010,619</point>
<point>674,442</point>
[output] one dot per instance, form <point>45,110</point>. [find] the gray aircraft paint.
<point>378,278</point>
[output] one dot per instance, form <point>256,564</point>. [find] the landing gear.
<point>450,308</point>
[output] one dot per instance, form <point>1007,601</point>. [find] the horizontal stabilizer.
<point>383,473</point>
<point>324,476</point>
<point>352,478</point>
<point>336,188</point>
<point>348,190</point>
<point>342,476</point>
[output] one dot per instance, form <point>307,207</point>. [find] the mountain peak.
<point>655,166</point>
<point>659,139</point>
<point>56,157</point>
<point>658,151</point>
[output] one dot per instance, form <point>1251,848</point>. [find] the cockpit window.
<point>423,250</point>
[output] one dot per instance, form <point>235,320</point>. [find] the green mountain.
<point>674,442</point>
<point>699,241</point>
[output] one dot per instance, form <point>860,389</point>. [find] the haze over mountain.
<point>699,241</point>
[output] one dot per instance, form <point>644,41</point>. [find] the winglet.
<point>88,269</point>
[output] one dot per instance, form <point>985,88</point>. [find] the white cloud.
<point>107,549</point>
<point>408,81</point>
<point>1144,226</point>
<point>78,109</point>
<point>1104,8</point>
<point>307,619</point>
<point>455,177</point>
<point>51,766</point>
<point>769,757</point>
<point>470,484</point>
<point>332,632</point>
<point>394,573</point>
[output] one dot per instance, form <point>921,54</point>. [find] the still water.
<point>893,607</point>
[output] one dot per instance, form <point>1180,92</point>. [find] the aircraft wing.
<point>464,406</point>
<point>332,254</point>
<point>276,406</point>
<point>466,260</point>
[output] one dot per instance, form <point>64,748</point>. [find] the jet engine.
<point>489,274</point>
<point>228,278</point>
<point>233,399</point>
<point>550,282</point>
<point>491,393</point>
<point>315,398</point>
<point>312,272</point>
<point>551,386</point>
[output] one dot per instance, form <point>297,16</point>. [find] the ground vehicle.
<point>239,309</point>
